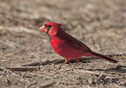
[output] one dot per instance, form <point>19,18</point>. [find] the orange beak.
<point>43,28</point>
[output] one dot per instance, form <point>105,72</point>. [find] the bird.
<point>67,46</point>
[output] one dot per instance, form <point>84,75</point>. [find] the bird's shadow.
<point>119,68</point>
<point>58,61</point>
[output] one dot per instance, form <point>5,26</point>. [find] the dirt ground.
<point>28,61</point>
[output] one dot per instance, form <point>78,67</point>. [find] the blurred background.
<point>101,24</point>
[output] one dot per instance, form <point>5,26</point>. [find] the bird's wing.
<point>73,42</point>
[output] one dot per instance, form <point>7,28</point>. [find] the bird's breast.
<point>58,45</point>
<point>64,50</point>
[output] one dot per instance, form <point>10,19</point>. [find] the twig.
<point>48,84</point>
<point>20,68</point>
<point>91,72</point>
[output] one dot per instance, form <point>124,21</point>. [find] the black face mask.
<point>48,28</point>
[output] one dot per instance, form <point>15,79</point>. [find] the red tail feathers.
<point>101,56</point>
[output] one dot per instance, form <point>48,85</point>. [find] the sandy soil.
<point>101,24</point>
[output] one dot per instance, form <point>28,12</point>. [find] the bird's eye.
<point>48,26</point>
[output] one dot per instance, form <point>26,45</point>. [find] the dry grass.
<point>28,61</point>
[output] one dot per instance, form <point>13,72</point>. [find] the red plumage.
<point>67,46</point>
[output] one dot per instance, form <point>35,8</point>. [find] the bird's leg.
<point>77,60</point>
<point>66,60</point>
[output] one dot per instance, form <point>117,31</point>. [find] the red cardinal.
<point>67,46</point>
